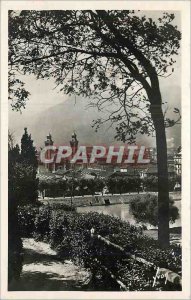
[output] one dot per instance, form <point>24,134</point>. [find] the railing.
<point>167,274</point>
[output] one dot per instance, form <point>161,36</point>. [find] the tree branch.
<point>107,19</point>
<point>69,50</point>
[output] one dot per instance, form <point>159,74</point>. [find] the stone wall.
<point>89,200</point>
<point>92,200</point>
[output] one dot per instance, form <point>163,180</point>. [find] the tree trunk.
<point>163,187</point>
<point>14,242</point>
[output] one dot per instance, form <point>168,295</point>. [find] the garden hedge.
<point>69,234</point>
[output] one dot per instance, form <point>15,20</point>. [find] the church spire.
<point>74,143</point>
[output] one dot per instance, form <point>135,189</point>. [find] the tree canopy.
<point>145,209</point>
<point>23,184</point>
<point>114,57</point>
<point>28,151</point>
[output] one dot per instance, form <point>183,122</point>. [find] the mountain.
<point>65,118</point>
<point>73,114</point>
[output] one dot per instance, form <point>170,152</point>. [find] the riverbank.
<point>101,200</point>
<point>119,207</point>
<point>122,211</point>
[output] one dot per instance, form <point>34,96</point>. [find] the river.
<point>122,211</point>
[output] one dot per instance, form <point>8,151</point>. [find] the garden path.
<point>43,271</point>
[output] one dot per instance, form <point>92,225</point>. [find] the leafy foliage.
<point>26,217</point>
<point>150,183</point>
<point>28,152</point>
<point>69,235</point>
<point>82,186</point>
<point>112,56</point>
<point>22,187</point>
<point>115,57</point>
<point>17,93</point>
<point>123,184</point>
<point>145,209</point>
<point>23,184</point>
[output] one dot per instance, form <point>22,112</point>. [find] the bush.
<point>33,219</point>
<point>69,234</point>
<point>145,209</point>
<point>150,183</point>
<point>123,184</point>
<point>26,216</point>
<point>61,205</point>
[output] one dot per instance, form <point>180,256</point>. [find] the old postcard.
<point>95,150</point>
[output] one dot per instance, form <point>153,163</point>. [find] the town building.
<point>178,161</point>
<point>102,169</point>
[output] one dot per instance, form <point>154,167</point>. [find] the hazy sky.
<point>44,96</point>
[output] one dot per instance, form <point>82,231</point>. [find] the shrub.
<point>145,209</point>
<point>123,184</point>
<point>61,205</point>
<point>69,234</point>
<point>35,219</point>
<point>150,183</point>
<point>26,216</point>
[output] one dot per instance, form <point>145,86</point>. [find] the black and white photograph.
<point>97,136</point>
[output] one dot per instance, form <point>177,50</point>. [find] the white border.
<point>184,7</point>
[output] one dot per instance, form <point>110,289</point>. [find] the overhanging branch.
<point>69,50</point>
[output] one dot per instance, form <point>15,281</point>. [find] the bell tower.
<point>49,152</point>
<point>74,145</point>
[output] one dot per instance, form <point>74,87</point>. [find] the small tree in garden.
<point>111,185</point>
<point>136,184</point>
<point>29,164</point>
<point>72,185</point>
<point>91,186</point>
<point>150,183</point>
<point>42,187</point>
<point>82,186</point>
<point>23,184</point>
<point>28,152</point>
<point>22,188</point>
<point>63,186</point>
<point>99,184</point>
<point>145,209</point>
<point>123,184</point>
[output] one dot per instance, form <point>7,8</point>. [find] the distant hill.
<point>62,119</point>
